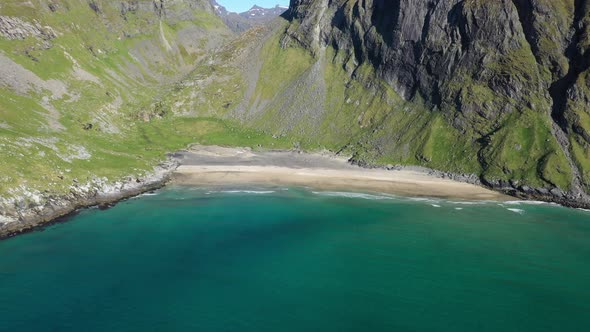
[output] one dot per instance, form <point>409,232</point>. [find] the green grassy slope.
<point>83,101</point>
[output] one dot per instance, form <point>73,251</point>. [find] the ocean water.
<point>297,260</point>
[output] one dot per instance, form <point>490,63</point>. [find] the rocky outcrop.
<point>14,28</point>
<point>30,208</point>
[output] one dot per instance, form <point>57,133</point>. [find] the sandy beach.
<point>213,165</point>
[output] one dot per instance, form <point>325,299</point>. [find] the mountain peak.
<point>256,15</point>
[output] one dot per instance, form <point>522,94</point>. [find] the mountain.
<point>491,91</point>
<point>240,22</point>
<point>257,12</point>
<point>497,88</point>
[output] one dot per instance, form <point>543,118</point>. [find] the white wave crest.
<point>149,194</point>
<point>253,192</point>
<point>352,195</point>
<point>467,202</point>
<point>519,211</point>
<point>525,203</point>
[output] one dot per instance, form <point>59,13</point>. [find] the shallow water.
<point>260,259</point>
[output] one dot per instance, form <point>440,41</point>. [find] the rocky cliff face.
<point>510,75</point>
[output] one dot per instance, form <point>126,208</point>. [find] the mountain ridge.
<point>255,16</point>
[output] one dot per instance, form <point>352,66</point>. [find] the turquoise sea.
<point>296,260</point>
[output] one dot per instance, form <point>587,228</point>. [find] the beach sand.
<point>213,165</point>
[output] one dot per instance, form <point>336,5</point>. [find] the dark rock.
<point>94,6</point>
<point>105,206</point>
<point>557,192</point>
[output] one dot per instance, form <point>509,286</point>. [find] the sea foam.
<point>253,192</point>
<point>352,195</point>
<point>519,211</point>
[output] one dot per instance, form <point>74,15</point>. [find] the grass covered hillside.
<point>80,82</point>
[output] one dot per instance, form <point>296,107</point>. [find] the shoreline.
<point>404,183</point>
<point>215,165</point>
<point>212,165</point>
<point>54,209</point>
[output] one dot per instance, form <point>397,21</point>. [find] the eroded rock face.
<point>418,46</point>
<point>476,61</point>
<point>14,28</point>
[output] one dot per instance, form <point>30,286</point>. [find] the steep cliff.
<point>495,88</point>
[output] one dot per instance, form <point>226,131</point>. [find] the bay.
<point>293,259</point>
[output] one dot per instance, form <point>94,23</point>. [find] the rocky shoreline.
<point>570,199</point>
<point>26,213</point>
<point>576,199</point>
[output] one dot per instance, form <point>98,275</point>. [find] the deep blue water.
<point>294,260</point>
